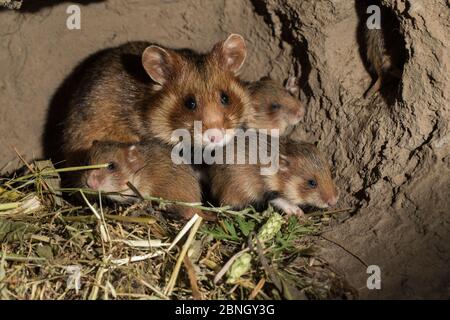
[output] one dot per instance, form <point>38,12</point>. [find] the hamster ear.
<point>232,52</point>
<point>284,163</point>
<point>159,63</point>
<point>133,157</point>
<point>292,85</point>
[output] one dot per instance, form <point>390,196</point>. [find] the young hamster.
<point>303,178</point>
<point>148,167</point>
<point>384,52</point>
<point>274,106</point>
<point>139,91</point>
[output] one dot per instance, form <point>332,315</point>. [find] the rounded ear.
<point>158,63</point>
<point>134,157</point>
<point>132,153</point>
<point>95,144</point>
<point>232,52</point>
<point>284,163</point>
<point>292,85</point>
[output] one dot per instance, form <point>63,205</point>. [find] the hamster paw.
<point>295,210</point>
<point>287,207</point>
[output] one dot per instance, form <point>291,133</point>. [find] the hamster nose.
<point>214,135</point>
<point>332,201</point>
<point>214,139</point>
<point>92,181</point>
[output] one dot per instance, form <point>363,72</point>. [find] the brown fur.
<point>103,107</point>
<point>236,185</point>
<point>267,93</point>
<point>118,101</point>
<point>203,78</point>
<point>384,52</point>
<point>149,168</point>
<point>300,162</point>
<point>243,185</point>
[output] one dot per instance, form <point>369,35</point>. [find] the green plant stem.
<point>9,206</point>
<point>54,171</point>
<point>13,257</point>
<point>170,202</point>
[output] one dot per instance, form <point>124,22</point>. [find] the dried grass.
<point>53,249</point>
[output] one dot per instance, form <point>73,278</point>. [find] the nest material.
<point>52,249</point>
<point>11,4</point>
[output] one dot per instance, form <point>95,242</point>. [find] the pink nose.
<point>332,201</point>
<point>214,135</point>
<point>93,181</point>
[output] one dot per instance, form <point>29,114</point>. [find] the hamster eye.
<point>312,183</point>
<point>190,103</point>
<point>224,98</point>
<point>275,106</point>
<point>111,166</point>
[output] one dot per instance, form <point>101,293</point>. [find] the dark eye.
<point>275,106</point>
<point>225,99</point>
<point>312,183</point>
<point>190,103</point>
<point>111,166</point>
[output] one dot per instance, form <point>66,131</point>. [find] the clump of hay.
<point>11,4</point>
<point>53,249</point>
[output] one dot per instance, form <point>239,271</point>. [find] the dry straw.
<point>88,249</point>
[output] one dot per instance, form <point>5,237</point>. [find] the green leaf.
<point>245,226</point>
<point>45,252</point>
<point>230,229</point>
<point>15,231</point>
